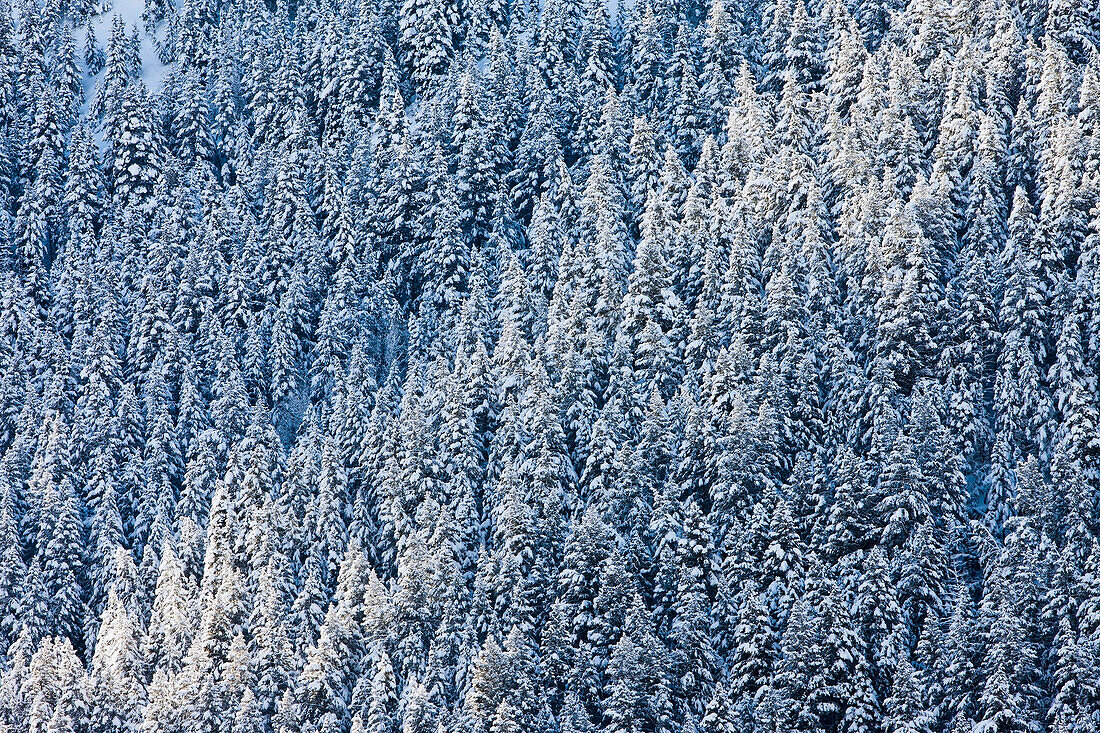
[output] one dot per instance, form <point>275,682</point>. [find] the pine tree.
<point>113,687</point>
<point>427,40</point>
<point>133,152</point>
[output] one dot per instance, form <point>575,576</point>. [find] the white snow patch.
<point>153,71</point>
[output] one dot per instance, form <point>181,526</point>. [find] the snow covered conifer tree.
<point>505,367</point>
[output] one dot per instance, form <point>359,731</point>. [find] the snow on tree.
<point>488,367</point>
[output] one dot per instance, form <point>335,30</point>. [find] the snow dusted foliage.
<point>500,366</point>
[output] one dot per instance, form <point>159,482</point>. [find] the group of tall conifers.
<point>506,367</point>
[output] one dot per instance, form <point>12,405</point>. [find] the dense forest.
<point>493,366</point>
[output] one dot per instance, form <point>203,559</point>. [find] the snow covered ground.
<point>153,71</point>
